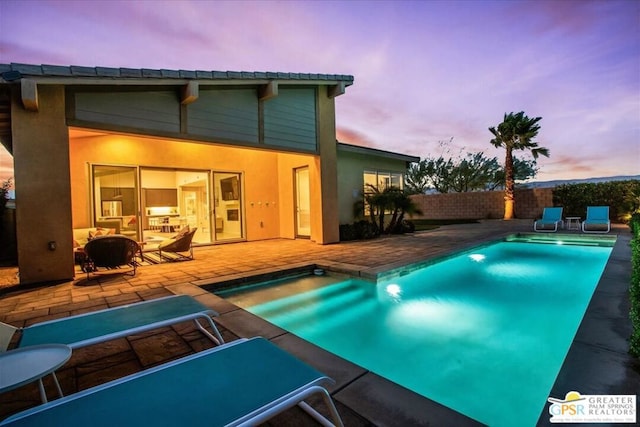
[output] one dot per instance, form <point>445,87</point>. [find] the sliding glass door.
<point>115,199</point>
<point>173,199</point>
<point>166,200</point>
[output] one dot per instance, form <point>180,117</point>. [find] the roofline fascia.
<point>125,81</point>
<point>383,153</point>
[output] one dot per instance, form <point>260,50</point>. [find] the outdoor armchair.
<point>111,251</point>
<point>178,248</point>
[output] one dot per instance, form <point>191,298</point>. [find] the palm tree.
<point>402,205</point>
<point>390,200</point>
<point>516,132</point>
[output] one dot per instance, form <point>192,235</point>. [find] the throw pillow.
<point>101,232</point>
<point>185,230</point>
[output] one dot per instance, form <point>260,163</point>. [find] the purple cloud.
<point>424,71</point>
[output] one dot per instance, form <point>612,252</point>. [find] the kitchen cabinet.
<point>157,197</point>
<point>126,195</point>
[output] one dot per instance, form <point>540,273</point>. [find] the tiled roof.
<point>142,73</point>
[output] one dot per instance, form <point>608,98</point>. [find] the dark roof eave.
<point>55,73</point>
<point>382,153</point>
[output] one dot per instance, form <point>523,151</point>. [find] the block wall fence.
<point>482,204</point>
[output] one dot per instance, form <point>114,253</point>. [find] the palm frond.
<point>539,151</point>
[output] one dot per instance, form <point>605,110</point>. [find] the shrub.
<point>366,230</point>
<point>634,224</point>
<point>622,197</point>
<point>634,287</point>
<point>407,226</point>
<point>347,232</point>
<point>358,230</point>
<point>4,195</point>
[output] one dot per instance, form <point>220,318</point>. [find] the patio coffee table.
<point>24,365</point>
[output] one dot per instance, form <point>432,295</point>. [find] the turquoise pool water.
<point>484,333</point>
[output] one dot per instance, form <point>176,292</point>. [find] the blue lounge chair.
<point>550,217</point>
<point>243,383</point>
<point>104,325</point>
<point>598,217</point>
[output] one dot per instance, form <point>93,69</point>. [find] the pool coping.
<point>366,397</point>
<point>601,342</point>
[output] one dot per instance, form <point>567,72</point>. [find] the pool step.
<point>305,306</point>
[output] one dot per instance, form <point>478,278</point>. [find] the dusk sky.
<point>425,71</point>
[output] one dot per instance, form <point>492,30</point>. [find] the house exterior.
<point>361,166</point>
<point>240,156</point>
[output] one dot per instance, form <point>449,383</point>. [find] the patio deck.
<point>597,362</point>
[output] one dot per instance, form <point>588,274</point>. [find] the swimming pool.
<point>484,332</point>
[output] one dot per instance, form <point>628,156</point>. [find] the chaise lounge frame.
<point>104,325</point>
<point>242,383</point>
<point>597,216</point>
<point>550,216</point>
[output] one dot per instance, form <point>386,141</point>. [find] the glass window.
<point>382,180</point>
<point>227,192</point>
<point>396,180</point>
<point>370,179</point>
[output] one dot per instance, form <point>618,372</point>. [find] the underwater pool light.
<point>394,290</point>
<point>477,257</point>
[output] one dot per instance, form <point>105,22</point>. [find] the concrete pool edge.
<point>598,361</point>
